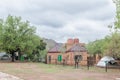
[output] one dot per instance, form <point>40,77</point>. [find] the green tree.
<point>1,28</point>
<point>95,47</point>
<point>110,45</point>
<point>114,45</point>
<point>18,35</point>
<point>39,53</point>
<point>113,48</point>
<point>117,22</point>
<point>100,46</point>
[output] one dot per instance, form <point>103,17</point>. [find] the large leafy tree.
<point>110,45</point>
<point>113,48</point>
<point>114,45</point>
<point>1,28</point>
<point>18,35</point>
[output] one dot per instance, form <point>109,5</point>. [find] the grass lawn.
<point>40,71</point>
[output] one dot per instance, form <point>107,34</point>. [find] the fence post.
<point>63,62</point>
<point>56,61</point>
<point>106,65</point>
<point>88,64</point>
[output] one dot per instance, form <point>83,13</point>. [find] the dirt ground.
<point>39,71</point>
<point>4,76</point>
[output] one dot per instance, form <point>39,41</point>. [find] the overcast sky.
<point>63,19</point>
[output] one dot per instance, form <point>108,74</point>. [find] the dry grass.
<point>40,71</point>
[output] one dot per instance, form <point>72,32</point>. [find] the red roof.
<point>75,48</point>
<point>55,49</point>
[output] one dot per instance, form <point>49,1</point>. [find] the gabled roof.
<point>56,48</point>
<point>77,48</point>
<point>61,48</point>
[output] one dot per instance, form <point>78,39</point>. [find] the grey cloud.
<point>62,19</point>
<point>69,6</point>
<point>38,7</point>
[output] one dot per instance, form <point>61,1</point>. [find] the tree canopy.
<point>117,21</point>
<point>110,45</point>
<point>15,33</point>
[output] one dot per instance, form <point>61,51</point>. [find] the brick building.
<point>65,53</point>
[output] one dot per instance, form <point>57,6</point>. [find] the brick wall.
<point>68,57</point>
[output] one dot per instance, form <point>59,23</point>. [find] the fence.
<point>106,65</point>
<point>90,63</point>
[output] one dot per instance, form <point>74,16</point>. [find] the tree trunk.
<point>13,55</point>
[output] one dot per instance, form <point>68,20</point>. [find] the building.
<point>65,53</point>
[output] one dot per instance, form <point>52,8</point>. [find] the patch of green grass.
<point>51,68</point>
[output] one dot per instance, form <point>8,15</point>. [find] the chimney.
<point>70,41</point>
<point>76,41</point>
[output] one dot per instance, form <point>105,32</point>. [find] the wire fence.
<point>110,64</point>
<point>105,64</point>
